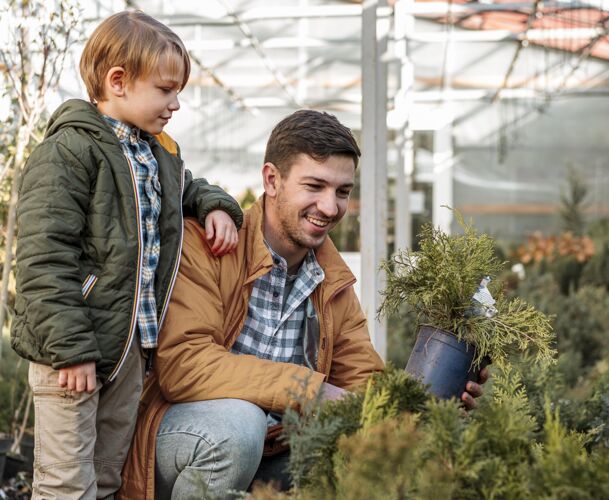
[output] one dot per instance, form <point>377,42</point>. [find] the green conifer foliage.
<point>394,442</point>
<point>313,433</point>
<point>572,201</point>
<point>438,282</point>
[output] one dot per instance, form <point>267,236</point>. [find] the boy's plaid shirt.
<point>146,172</point>
<point>272,331</point>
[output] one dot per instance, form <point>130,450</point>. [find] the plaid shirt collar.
<point>272,330</point>
<point>310,274</point>
<point>125,133</point>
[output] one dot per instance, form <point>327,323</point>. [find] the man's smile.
<point>317,222</point>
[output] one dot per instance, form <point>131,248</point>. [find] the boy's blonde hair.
<point>136,42</point>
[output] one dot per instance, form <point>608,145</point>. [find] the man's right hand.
<point>78,378</point>
<point>331,392</point>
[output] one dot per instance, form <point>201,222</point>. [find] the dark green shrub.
<point>580,322</point>
<point>389,449</point>
<point>596,272</point>
<point>13,386</point>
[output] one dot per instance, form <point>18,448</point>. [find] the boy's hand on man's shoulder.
<point>221,232</point>
<point>78,378</point>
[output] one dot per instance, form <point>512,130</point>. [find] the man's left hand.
<point>474,390</point>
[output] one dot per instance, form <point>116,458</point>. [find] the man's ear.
<point>116,81</point>
<point>271,178</point>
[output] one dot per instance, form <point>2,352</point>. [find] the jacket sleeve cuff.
<point>224,203</point>
<point>86,357</point>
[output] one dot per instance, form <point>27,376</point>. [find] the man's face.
<point>312,199</point>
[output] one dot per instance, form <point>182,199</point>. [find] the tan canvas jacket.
<point>207,311</point>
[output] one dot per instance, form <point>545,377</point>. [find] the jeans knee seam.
<point>206,440</point>
<point>188,433</point>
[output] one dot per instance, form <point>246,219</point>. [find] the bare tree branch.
<point>43,32</point>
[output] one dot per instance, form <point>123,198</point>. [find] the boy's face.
<point>146,102</point>
<point>150,102</point>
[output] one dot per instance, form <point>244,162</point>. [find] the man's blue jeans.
<point>211,447</point>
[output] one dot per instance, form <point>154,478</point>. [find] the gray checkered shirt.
<point>146,172</point>
<point>273,327</point>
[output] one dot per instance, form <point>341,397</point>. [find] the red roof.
<point>547,18</point>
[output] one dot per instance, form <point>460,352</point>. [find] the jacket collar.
<point>259,260</point>
<point>79,114</point>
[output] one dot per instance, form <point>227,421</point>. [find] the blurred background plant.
<point>35,39</point>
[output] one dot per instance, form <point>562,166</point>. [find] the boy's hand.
<point>78,378</point>
<point>221,232</point>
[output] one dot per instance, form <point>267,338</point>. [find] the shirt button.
<point>275,294</point>
<point>276,261</point>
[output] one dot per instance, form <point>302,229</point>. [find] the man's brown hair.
<point>136,42</point>
<point>314,133</point>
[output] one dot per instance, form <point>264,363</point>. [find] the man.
<point>244,330</point>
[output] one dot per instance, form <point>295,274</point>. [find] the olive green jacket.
<point>80,249</point>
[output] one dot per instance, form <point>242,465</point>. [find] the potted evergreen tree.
<point>450,284</point>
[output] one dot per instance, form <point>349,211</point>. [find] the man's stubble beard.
<point>291,229</point>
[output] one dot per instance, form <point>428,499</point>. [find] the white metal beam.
<point>339,11</point>
<point>274,13</point>
<point>500,35</point>
<point>286,42</point>
<point>441,8</point>
<point>256,45</point>
<point>396,117</point>
<point>373,173</point>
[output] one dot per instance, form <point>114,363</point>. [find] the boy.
<point>100,218</point>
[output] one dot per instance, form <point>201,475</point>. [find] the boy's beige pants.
<point>82,440</point>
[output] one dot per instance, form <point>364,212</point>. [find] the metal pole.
<point>443,178</point>
<point>443,148</point>
<point>373,172</point>
<point>403,23</point>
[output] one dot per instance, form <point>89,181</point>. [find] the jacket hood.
<point>82,115</point>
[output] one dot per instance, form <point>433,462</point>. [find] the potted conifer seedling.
<point>450,284</point>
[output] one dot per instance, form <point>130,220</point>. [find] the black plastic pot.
<point>16,463</point>
<point>26,448</point>
<point>5,445</point>
<point>442,362</point>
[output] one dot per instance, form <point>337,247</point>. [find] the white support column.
<point>403,102</point>
<point>443,157</point>
<point>303,55</point>
<point>443,164</point>
<point>403,215</point>
<point>373,170</point>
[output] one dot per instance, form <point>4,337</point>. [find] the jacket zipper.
<point>179,256</point>
<point>323,340</point>
<point>136,302</point>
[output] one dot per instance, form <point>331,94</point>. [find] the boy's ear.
<point>271,178</point>
<point>116,81</point>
